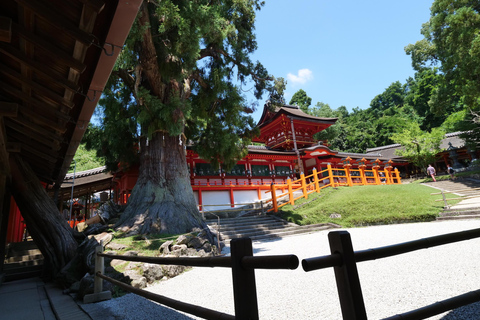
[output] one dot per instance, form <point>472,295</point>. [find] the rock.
<point>195,243</point>
<point>152,272</point>
<point>136,280</point>
<point>165,247</point>
<point>115,246</point>
<point>184,239</point>
<point>86,286</point>
<point>139,283</point>
<point>131,253</point>
<point>117,262</point>
<point>181,247</point>
<point>105,237</point>
<point>133,266</point>
<point>207,246</point>
<point>172,271</point>
<point>81,227</point>
<point>335,216</point>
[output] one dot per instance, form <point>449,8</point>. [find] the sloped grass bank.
<point>365,205</point>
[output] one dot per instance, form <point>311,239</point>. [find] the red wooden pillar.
<point>232,199</point>
<point>200,199</point>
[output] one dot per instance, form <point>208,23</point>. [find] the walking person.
<point>450,171</point>
<point>431,172</point>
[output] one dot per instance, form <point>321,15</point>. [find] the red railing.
<point>330,178</point>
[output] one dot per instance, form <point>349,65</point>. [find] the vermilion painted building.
<point>287,149</point>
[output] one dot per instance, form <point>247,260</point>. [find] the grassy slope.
<point>366,205</point>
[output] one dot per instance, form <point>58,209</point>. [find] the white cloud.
<point>302,76</point>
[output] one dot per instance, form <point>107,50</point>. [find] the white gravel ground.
<point>390,286</point>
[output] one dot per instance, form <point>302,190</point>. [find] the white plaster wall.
<point>215,197</point>
<point>246,196</point>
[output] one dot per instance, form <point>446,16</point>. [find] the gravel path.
<point>390,286</point>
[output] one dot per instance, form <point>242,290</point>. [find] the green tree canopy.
<point>301,99</point>
<point>419,147</point>
<point>452,42</point>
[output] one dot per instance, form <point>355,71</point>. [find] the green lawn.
<point>366,205</point>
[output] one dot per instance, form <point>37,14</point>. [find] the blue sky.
<point>339,52</point>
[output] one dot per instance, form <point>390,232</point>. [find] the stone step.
<point>252,230</point>
<point>460,217</point>
<point>456,212</point>
<point>271,225</point>
<point>18,271</point>
<point>290,232</point>
<point>13,259</point>
<point>240,220</point>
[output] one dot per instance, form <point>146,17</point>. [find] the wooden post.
<point>232,199</point>
<point>290,191</point>
<point>375,174</point>
<point>244,287</point>
<point>388,175</point>
<point>346,275</point>
<point>274,197</point>
<point>315,180</point>
<point>330,175</point>
<point>349,177</point>
<point>444,200</point>
<point>397,175</point>
<point>98,293</point>
<point>362,175</point>
<point>304,185</point>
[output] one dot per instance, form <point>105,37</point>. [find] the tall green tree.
<point>301,99</point>
<point>452,42</point>
<point>419,147</point>
<point>175,82</point>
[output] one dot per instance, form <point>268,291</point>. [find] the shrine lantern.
<point>376,164</point>
<point>362,163</point>
<point>346,162</point>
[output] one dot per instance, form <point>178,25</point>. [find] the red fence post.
<point>274,197</point>
<point>348,282</point>
<point>244,288</point>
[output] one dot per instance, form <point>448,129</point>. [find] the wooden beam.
<point>22,136</point>
<point>49,14</point>
<point>54,52</point>
<point>41,109</point>
<point>31,134</point>
<point>14,147</point>
<point>4,161</point>
<point>5,29</point>
<point>96,5</point>
<point>38,88</point>
<point>35,127</point>
<point>50,158</point>
<point>21,58</point>
<point>8,109</point>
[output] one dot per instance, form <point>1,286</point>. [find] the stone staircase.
<point>23,260</point>
<point>265,227</point>
<point>466,209</point>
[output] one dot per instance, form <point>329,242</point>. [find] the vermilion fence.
<point>343,260</point>
<point>330,177</point>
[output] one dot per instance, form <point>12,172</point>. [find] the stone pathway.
<point>465,209</point>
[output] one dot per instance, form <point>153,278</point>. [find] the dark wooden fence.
<point>342,258</point>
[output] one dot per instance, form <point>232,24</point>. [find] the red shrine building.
<point>285,148</point>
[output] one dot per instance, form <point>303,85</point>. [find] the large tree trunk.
<point>162,200</point>
<point>49,230</point>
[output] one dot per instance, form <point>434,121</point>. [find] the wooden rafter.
<point>49,14</point>
<point>5,29</point>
